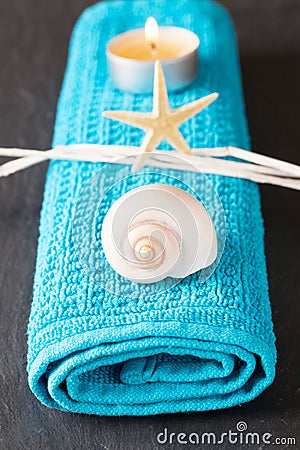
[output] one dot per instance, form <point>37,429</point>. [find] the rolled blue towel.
<point>198,345</point>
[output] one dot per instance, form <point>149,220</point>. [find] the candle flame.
<point>151,31</point>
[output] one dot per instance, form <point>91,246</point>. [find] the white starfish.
<point>162,122</point>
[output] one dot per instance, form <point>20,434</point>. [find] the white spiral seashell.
<point>158,231</point>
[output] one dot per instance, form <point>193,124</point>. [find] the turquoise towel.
<point>196,346</point>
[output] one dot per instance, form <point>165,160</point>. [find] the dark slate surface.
<point>33,50</point>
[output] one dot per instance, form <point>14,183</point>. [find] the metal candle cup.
<point>131,59</point>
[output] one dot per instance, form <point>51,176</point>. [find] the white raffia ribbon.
<point>255,167</point>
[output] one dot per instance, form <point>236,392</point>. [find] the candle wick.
<point>153,46</point>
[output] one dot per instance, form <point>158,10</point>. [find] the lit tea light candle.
<point>131,57</point>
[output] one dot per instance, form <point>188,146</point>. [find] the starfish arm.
<point>160,93</point>
<point>191,109</point>
<point>151,140</point>
<point>175,138</point>
<point>136,119</point>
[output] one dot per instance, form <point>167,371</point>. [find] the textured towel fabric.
<point>196,346</point>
